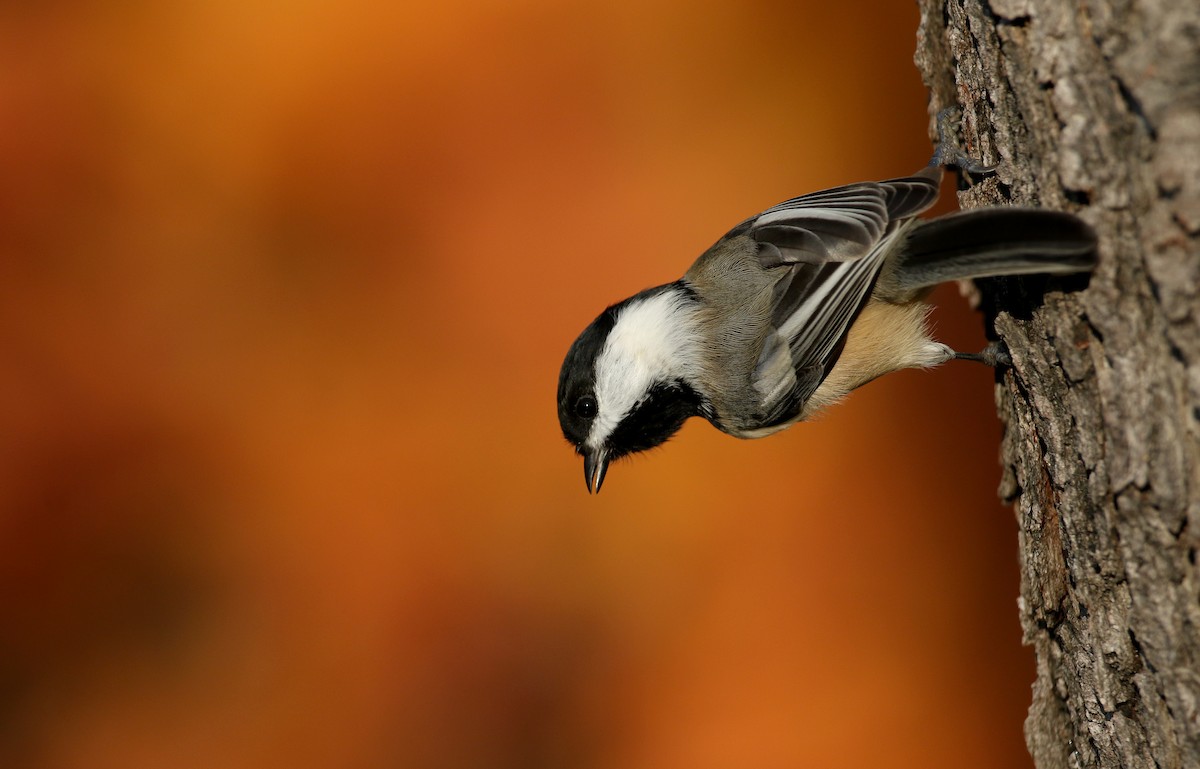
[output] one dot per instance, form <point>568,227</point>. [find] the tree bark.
<point>1094,107</point>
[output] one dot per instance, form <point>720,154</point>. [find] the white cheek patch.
<point>653,340</point>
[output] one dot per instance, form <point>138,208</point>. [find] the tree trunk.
<point>1094,106</point>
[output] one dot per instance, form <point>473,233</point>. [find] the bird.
<point>794,308</point>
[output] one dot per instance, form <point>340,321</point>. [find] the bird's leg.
<point>949,155</point>
<point>995,355</point>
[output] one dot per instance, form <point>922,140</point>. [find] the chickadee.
<point>791,310</point>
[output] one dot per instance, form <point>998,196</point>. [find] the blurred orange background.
<point>284,291</point>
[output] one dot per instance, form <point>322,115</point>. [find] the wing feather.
<point>832,244</point>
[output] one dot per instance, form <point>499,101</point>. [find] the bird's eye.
<point>585,407</point>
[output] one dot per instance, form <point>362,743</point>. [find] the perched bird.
<point>791,310</point>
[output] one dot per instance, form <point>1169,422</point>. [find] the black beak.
<point>595,464</point>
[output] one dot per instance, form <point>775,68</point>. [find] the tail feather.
<point>992,241</point>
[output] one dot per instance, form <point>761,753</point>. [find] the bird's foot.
<point>947,154</point>
<point>995,355</point>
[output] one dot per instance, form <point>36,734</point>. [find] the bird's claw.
<point>948,155</point>
<point>996,355</point>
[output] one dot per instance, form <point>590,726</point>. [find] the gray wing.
<point>832,245</point>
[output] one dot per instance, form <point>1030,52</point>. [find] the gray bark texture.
<point>1093,106</point>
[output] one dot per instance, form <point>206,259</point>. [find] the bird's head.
<point>627,384</point>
